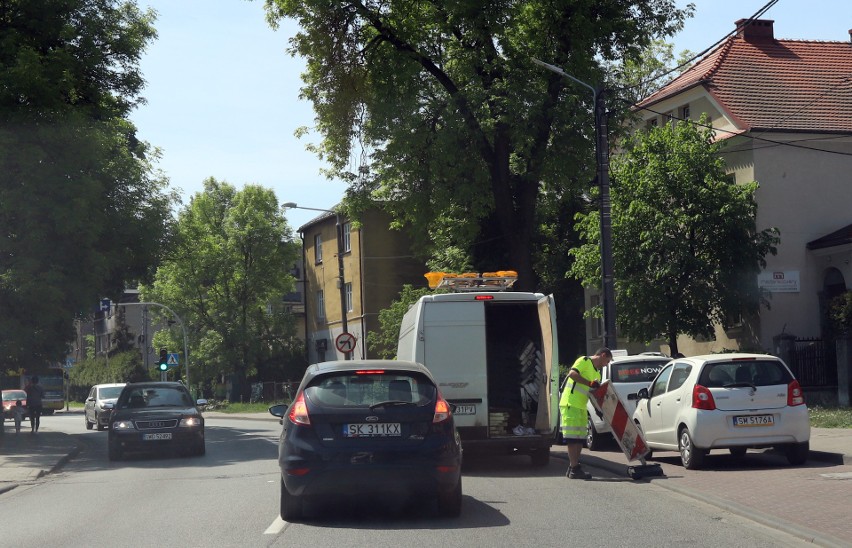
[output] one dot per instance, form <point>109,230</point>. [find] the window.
<point>346,234</point>
<point>681,373</point>
<point>318,248</point>
<point>652,123</point>
<point>684,112</point>
<point>660,384</point>
<point>348,290</point>
<point>320,305</point>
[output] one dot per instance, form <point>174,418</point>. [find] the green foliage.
<point>82,210</point>
<point>686,250</point>
<point>840,311</point>
<point>830,417</point>
<point>119,367</point>
<point>462,136</point>
<point>384,342</point>
<point>225,277</point>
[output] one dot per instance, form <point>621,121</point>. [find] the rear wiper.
<point>390,403</point>
<point>741,385</point>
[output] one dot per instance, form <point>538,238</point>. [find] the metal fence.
<point>814,362</point>
<point>273,392</point>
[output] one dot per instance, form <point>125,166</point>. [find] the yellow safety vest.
<point>576,394</point>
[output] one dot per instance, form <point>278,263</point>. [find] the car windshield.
<point>744,373</point>
<point>14,395</point>
<point>109,392</point>
<point>350,389</point>
<point>637,371</point>
<point>159,396</point>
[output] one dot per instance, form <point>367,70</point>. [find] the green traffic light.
<point>164,366</point>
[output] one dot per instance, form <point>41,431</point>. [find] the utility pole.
<point>602,156</point>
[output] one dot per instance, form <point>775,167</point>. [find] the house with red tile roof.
<point>785,108</point>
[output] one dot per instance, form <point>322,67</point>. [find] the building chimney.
<point>759,30</point>
<point>850,35</point>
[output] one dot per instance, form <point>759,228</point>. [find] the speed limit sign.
<point>345,342</point>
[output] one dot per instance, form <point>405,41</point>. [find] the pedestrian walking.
<point>35,395</point>
<point>583,376</point>
<point>18,412</point>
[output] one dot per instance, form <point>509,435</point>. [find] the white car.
<point>724,401</point>
<point>628,374</point>
<point>95,412</point>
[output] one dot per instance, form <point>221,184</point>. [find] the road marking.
<point>276,527</point>
<point>838,475</point>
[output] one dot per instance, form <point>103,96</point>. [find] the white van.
<point>495,357</point>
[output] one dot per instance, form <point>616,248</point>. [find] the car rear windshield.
<point>352,389</point>
<point>155,397</point>
<point>636,371</point>
<point>744,373</point>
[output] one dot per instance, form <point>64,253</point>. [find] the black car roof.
<point>335,366</point>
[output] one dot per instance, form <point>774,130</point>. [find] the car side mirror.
<point>278,410</point>
<point>642,394</point>
<point>109,405</point>
<point>201,402</point>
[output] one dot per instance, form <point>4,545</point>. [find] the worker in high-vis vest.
<point>583,376</point>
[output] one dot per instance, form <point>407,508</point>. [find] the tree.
<point>82,210</point>
<point>384,341</point>
<point>225,277</point>
<point>456,127</point>
<point>686,250</point>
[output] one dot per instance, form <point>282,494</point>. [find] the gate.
<point>814,362</point>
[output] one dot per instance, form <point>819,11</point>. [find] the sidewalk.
<point>811,501</point>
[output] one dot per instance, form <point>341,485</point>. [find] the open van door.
<point>548,415</point>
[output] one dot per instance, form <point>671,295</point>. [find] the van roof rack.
<point>472,281</point>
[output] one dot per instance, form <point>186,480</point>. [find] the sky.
<point>223,94</point>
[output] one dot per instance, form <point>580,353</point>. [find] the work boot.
<point>577,472</point>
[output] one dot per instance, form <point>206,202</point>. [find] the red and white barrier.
<point>624,430</point>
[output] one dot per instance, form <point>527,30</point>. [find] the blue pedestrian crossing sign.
<point>173,359</point>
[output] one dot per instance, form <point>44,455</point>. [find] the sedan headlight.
<point>123,425</point>
<point>190,421</point>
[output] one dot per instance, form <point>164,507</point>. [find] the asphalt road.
<point>229,497</point>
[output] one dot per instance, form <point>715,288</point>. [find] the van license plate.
<point>163,436</point>
<point>754,420</point>
<point>363,430</point>
<point>465,410</point>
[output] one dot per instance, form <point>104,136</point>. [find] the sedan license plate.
<point>162,436</point>
<point>754,420</point>
<point>465,410</point>
<point>363,430</point>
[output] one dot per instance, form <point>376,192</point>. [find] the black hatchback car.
<point>368,427</point>
<point>155,416</point>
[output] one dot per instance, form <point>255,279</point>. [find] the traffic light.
<point>164,360</point>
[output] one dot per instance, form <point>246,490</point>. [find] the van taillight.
<point>702,398</point>
<point>442,410</point>
<point>795,394</point>
<point>299,411</point>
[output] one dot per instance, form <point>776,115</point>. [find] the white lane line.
<point>276,527</point>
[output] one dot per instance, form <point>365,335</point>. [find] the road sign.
<point>105,305</point>
<point>173,359</point>
<point>345,342</point>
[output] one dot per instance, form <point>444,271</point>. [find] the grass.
<point>831,417</point>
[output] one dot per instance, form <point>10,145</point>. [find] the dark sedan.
<point>156,416</point>
<point>368,427</point>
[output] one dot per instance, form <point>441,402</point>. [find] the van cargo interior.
<point>516,371</point>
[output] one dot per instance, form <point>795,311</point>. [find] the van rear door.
<point>454,351</point>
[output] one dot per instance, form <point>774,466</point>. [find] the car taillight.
<point>442,410</point>
<point>702,398</point>
<point>795,395</point>
<point>299,411</point>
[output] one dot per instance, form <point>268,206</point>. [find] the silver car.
<point>95,413</point>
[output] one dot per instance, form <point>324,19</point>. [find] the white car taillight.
<point>702,398</point>
<point>795,394</point>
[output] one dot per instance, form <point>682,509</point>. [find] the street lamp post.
<point>340,280</point>
<point>602,158</point>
